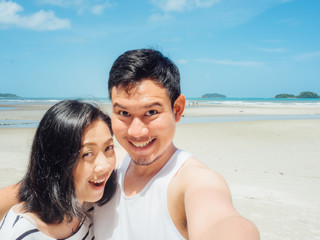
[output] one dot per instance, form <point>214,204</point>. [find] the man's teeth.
<point>141,144</point>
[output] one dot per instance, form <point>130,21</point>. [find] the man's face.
<point>143,122</point>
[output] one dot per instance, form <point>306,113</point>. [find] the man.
<point>164,192</point>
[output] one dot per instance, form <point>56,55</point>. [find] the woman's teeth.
<point>97,182</point>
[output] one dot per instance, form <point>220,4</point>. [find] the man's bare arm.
<point>209,209</point>
<point>232,228</point>
<point>8,198</point>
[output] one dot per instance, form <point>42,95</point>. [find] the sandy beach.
<point>271,166</point>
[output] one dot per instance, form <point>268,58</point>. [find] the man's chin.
<point>144,161</point>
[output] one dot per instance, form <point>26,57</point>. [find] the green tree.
<point>8,95</point>
<point>308,95</point>
<point>285,95</point>
<point>213,95</point>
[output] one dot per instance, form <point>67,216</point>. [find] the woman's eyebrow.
<point>93,143</point>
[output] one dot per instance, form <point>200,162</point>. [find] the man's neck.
<point>137,176</point>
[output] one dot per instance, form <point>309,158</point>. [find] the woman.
<point>71,164</point>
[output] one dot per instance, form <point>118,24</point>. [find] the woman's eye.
<point>109,148</point>
<point>151,112</point>
<point>124,113</point>
<point>87,155</point>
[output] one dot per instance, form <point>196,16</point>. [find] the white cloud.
<point>307,56</point>
<point>272,50</point>
<point>172,39</point>
<point>285,1</point>
<point>60,3</point>
<point>182,61</point>
<point>10,16</point>
<point>205,3</point>
<point>272,40</point>
<point>289,21</point>
<point>96,7</point>
<point>170,5</point>
<point>99,8</point>
<point>159,17</point>
<point>181,5</point>
<point>231,62</point>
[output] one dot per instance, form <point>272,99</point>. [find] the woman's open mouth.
<point>97,183</point>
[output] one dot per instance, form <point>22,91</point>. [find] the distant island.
<point>213,95</point>
<point>8,95</point>
<point>301,95</point>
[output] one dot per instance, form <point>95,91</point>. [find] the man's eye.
<point>151,112</point>
<point>124,113</point>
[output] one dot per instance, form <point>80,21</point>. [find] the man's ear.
<point>178,107</point>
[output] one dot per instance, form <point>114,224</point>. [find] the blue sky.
<point>240,48</point>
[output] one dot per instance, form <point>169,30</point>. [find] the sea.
<point>257,101</point>
<point>6,103</point>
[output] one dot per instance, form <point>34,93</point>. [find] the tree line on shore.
<point>301,95</point>
<point>8,95</point>
<point>213,95</point>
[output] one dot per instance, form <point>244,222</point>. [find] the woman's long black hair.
<point>48,187</point>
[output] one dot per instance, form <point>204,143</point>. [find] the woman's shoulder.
<point>16,226</point>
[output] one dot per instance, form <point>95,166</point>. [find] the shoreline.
<point>28,115</point>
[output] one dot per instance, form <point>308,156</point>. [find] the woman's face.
<point>96,162</point>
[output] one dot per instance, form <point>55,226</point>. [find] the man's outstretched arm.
<point>232,228</point>
<point>209,209</point>
<point>8,198</point>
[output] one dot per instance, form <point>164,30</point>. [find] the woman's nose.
<point>103,163</point>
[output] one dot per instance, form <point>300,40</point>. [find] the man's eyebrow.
<point>118,105</point>
<point>153,105</point>
<point>115,105</point>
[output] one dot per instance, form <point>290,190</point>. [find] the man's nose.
<point>137,128</point>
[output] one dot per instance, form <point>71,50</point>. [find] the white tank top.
<point>144,216</point>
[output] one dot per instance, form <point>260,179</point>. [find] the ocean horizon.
<point>11,104</point>
<point>189,100</point>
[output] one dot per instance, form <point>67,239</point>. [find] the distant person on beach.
<point>164,192</point>
<point>71,165</point>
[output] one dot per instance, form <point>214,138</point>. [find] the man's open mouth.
<point>142,144</point>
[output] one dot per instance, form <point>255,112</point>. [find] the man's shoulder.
<point>195,174</point>
<point>193,167</point>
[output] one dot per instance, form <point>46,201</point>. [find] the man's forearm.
<point>232,228</point>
